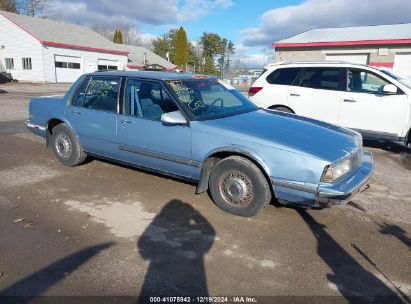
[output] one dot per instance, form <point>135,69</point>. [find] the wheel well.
<point>280,106</point>
<point>213,159</point>
<point>49,128</point>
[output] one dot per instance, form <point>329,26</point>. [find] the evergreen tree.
<point>120,37</point>
<point>115,38</point>
<point>209,67</point>
<point>181,48</point>
<point>8,6</point>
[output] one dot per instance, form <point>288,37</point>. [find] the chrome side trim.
<point>311,188</point>
<point>160,155</point>
<point>33,126</point>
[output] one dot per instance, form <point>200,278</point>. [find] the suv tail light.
<point>254,90</point>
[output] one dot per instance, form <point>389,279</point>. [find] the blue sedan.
<point>199,128</point>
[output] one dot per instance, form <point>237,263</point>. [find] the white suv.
<point>374,102</point>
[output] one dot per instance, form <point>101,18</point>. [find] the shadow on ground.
<point>390,146</point>
<point>353,281</point>
<point>40,281</point>
<point>175,244</point>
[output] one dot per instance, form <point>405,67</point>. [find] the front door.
<point>318,93</point>
<point>92,113</point>
<point>143,139</point>
<point>366,108</point>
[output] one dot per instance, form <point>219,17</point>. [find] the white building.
<point>43,50</point>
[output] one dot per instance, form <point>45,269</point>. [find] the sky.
<point>252,25</point>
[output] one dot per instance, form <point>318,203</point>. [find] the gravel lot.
<point>106,230</point>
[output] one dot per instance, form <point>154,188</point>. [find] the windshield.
<point>210,99</point>
<point>404,81</point>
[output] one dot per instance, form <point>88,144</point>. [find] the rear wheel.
<point>66,146</point>
<point>239,187</point>
<point>282,109</point>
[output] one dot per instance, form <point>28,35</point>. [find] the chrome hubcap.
<point>63,145</point>
<point>236,188</point>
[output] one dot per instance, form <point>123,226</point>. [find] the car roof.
<point>151,75</point>
<point>315,63</point>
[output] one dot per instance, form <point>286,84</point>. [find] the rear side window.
<point>77,99</point>
<point>102,94</point>
<point>285,76</point>
<point>322,78</point>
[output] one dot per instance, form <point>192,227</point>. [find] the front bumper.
<point>345,189</point>
<point>325,194</point>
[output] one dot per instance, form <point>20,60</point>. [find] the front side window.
<point>322,78</point>
<point>27,64</point>
<point>209,99</point>
<point>147,99</point>
<point>284,76</point>
<point>9,63</point>
<point>102,94</point>
<point>361,81</point>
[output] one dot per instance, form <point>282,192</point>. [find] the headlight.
<point>334,172</point>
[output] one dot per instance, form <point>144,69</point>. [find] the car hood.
<point>287,132</point>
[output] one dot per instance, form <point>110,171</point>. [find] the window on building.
<point>9,64</point>
<point>106,67</point>
<point>361,81</point>
<point>322,78</point>
<point>102,94</point>
<point>284,76</point>
<point>67,65</point>
<point>27,64</point>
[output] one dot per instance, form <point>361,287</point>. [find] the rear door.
<point>92,113</point>
<point>318,93</point>
<point>275,92</point>
<point>366,108</point>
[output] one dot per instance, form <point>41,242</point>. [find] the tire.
<point>66,146</point>
<point>239,187</point>
<point>282,109</point>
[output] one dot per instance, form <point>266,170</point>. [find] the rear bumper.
<point>326,194</point>
<point>36,129</point>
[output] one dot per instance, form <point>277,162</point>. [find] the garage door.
<point>104,64</point>
<point>68,68</point>
<point>402,65</point>
<point>352,58</point>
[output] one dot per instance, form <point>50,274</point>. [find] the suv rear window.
<point>322,78</point>
<point>284,76</point>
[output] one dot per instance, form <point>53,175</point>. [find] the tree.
<point>33,8</point>
<point>161,46</point>
<point>8,6</point>
<point>165,44</point>
<point>209,67</point>
<point>216,48</point>
<point>181,48</point>
<point>118,37</point>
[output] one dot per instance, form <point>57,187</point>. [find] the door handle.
<point>125,121</point>
<point>76,112</point>
<point>295,94</point>
<point>349,100</point>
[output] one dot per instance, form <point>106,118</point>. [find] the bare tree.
<point>33,8</point>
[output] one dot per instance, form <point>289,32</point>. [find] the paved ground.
<point>102,229</point>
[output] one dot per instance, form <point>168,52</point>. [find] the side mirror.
<point>173,118</point>
<point>389,89</point>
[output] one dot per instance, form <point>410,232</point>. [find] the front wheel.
<point>66,146</point>
<point>239,187</point>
